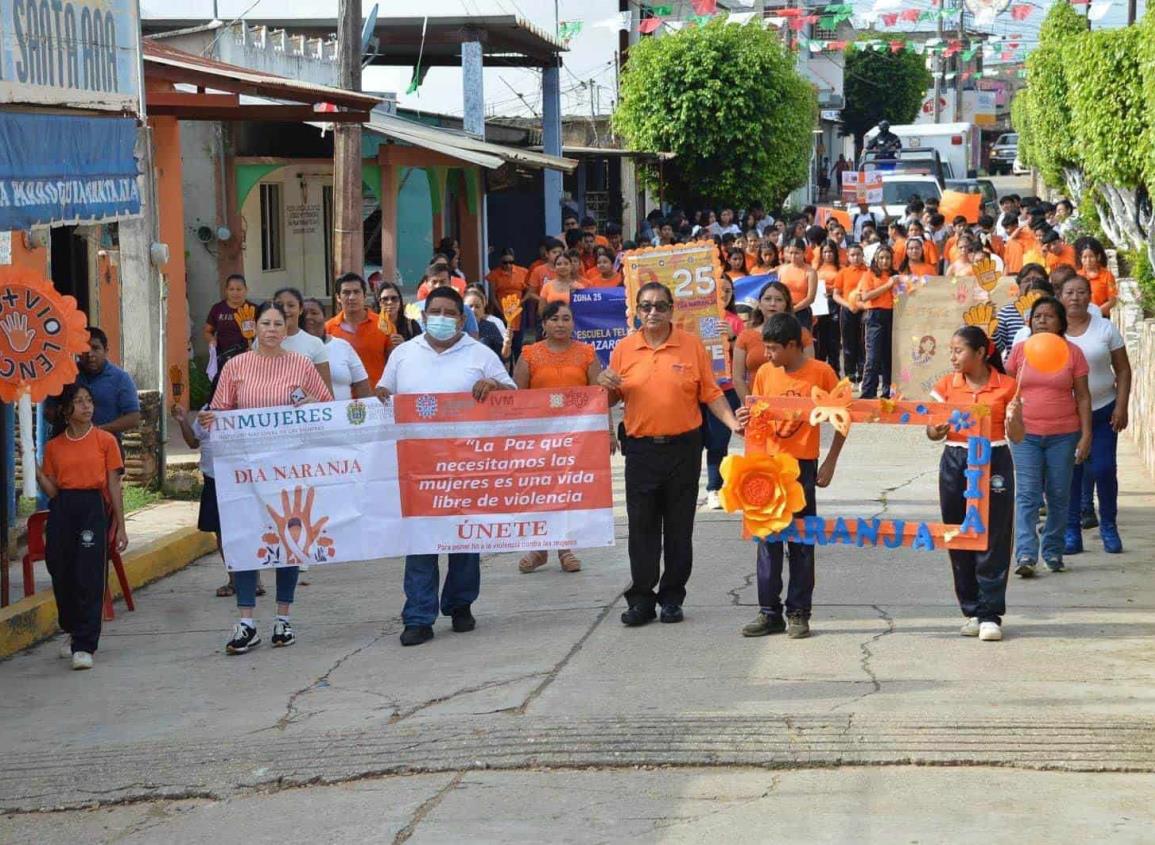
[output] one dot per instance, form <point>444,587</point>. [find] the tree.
<point>727,101</point>
<point>882,86</point>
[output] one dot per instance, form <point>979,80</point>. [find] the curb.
<point>28,621</point>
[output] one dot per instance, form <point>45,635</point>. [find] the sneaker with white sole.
<point>713,502</point>
<point>81,660</point>
<point>970,628</point>
<point>244,638</point>
<point>65,652</point>
<point>283,634</point>
<point>990,632</point>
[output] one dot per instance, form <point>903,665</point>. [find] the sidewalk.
<point>551,682</point>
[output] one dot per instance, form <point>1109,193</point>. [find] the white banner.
<point>432,473</point>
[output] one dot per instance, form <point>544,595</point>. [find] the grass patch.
<point>136,497</point>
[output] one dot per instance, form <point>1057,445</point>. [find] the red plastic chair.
<point>36,525</point>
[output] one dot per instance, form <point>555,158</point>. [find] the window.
<point>272,228</point>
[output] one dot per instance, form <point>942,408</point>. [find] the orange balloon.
<point>1046,352</point>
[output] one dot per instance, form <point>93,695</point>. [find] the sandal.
<point>260,589</point>
<point>569,561</point>
<point>532,561</point>
<point>226,590</point>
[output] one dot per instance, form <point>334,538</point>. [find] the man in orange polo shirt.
<point>358,326</point>
<point>664,375</point>
<point>1057,251</point>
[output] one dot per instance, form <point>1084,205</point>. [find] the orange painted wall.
<point>170,206</point>
<point>108,296</point>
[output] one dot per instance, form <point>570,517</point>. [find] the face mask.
<point>441,327</point>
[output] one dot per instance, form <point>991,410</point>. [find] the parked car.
<point>1004,151</point>
<point>978,186</point>
<point>1018,168</point>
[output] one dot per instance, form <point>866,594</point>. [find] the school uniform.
<point>76,548</point>
<point>980,578</point>
<point>878,322</point>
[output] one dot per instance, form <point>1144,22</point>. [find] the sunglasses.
<point>660,307</point>
<point>390,299</point>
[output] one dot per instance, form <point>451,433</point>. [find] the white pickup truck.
<point>898,189</point>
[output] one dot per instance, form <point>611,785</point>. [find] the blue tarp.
<point>66,169</point>
<point>747,288</point>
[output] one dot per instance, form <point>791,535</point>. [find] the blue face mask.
<point>441,327</point>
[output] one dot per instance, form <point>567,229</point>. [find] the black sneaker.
<point>244,638</point>
<point>463,620</point>
<point>283,633</point>
<point>1089,520</point>
<point>1025,568</point>
<point>637,616</point>
<point>797,626</point>
<point>764,625</point>
<point>672,613</point>
<point>416,634</point>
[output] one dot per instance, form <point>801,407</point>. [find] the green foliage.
<point>1144,275</point>
<point>1146,57</point>
<point>1020,109</point>
<point>199,385</point>
<point>882,86</point>
<point>727,101</point>
<point>1108,119</point>
<point>1047,113</point>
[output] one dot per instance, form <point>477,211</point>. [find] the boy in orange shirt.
<point>790,373</point>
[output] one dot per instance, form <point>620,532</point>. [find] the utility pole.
<point>348,235</point>
<point>958,77</point>
<point>938,70</point>
<point>1130,11</point>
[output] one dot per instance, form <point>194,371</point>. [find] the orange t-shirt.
<point>426,287</point>
<point>899,248</point>
<point>797,280</point>
<point>871,282</point>
<point>1103,286</point>
<point>664,387</point>
<point>82,464</point>
<point>371,344</point>
<point>537,276</point>
<point>828,273</point>
<point>569,368</point>
<point>594,279</point>
<point>995,394</point>
<point>921,268</point>
<point>929,252</point>
<point>750,342</point>
<point>550,292</point>
<point>1065,256</point>
<point>846,282</point>
<point>795,437</point>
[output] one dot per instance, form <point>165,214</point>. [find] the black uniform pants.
<point>76,552</point>
<point>980,578</point>
<point>661,501</point>
<point>850,323</point>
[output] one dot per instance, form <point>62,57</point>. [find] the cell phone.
<point>297,396</point>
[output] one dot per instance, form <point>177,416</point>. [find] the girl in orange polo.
<point>1093,268</point>
<point>749,350</point>
<point>768,258</point>
<point>845,295</point>
<point>735,263</point>
<point>980,578</point>
<point>563,278</point>
<point>916,263</point>
<point>876,295</point>
<point>801,279</point>
<point>81,476</point>
<point>603,274</point>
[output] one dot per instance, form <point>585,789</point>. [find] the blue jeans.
<point>462,586</point>
<point>878,322</point>
<point>716,438</point>
<point>1043,463</point>
<point>1102,469</point>
<point>245,582</point>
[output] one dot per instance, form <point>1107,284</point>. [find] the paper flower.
<point>833,407</point>
<point>761,424</point>
<point>982,315</point>
<point>961,420</point>
<point>765,488</point>
<point>887,405</point>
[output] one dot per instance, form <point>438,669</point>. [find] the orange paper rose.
<point>765,488</point>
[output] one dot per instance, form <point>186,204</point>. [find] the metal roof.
<point>611,152</point>
<point>165,62</point>
<point>507,40</point>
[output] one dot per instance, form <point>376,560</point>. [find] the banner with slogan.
<point>348,481</point>
<point>599,317</point>
<point>927,313</point>
<point>691,272</point>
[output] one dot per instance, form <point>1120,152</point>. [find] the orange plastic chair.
<point>36,525</point>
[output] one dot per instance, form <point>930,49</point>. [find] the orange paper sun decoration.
<point>41,332</point>
<point>765,488</point>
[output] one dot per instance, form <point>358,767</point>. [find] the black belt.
<point>667,439</point>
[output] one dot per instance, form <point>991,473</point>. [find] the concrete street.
<point>552,722</point>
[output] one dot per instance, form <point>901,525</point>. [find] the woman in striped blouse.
<point>268,376</point>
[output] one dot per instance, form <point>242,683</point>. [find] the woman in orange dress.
<point>801,279</point>
<point>557,361</point>
<point>603,274</point>
<point>563,278</point>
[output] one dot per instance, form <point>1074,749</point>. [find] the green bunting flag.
<point>568,29</point>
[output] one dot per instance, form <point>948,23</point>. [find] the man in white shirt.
<point>444,359</point>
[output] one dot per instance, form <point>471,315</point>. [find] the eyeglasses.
<point>660,307</point>
<point>390,299</point>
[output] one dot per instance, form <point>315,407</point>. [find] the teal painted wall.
<point>414,226</point>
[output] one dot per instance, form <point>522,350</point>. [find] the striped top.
<point>253,380</point>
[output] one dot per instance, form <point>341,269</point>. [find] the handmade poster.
<point>691,272</point>
<point>927,311</point>
<point>599,317</point>
<point>41,333</point>
<point>320,484</point>
<point>862,187</point>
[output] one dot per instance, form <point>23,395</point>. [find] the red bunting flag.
<point>909,15</point>
<point>788,13</point>
<point>704,7</point>
<point>890,19</point>
<point>897,45</point>
<point>837,45</point>
<point>1021,11</point>
<point>648,26</point>
<point>797,24</point>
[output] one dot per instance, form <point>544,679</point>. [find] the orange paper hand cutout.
<point>986,274</point>
<point>246,319</point>
<point>982,315</point>
<point>510,306</point>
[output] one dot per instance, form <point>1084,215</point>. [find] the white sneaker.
<point>970,628</point>
<point>712,501</point>
<point>990,632</point>
<point>65,652</point>
<point>81,660</point>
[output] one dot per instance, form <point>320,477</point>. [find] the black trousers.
<point>800,589</point>
<point>661,501</point>
<point>850,323</point>
<point>76,552</point>
<point>980,578</point>
<point>827,339</point>
<point>878,322</point>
